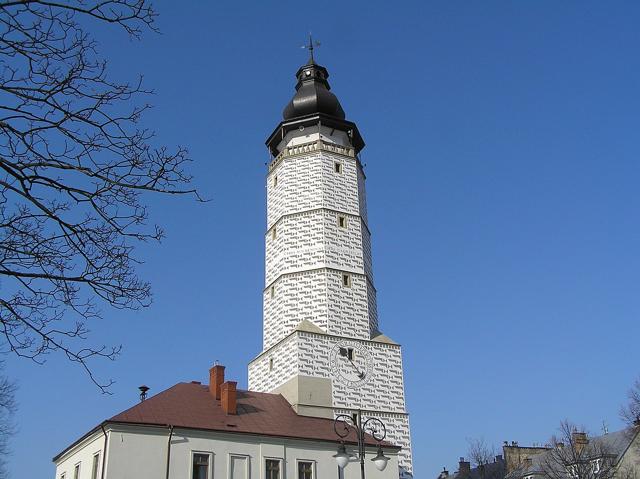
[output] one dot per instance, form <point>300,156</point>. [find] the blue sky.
<point>503,168</point>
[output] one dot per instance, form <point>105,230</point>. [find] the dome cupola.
<point>312,94</point>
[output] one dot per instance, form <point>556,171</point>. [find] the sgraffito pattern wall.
<point>321,297</point>
<point>382,395</point>
<point>319,269</point>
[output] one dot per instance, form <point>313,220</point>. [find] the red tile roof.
<point>189,405</point>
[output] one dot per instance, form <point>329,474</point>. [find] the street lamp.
<point>343,425</point>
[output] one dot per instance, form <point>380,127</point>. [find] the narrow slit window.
<point>76,471</point>
<point>274,233</point>
<point>346,280</point>
<point>350,354</point>
<point>342,221</point>
<point>275,181</point>
<point>270,364</point>
<point>273,291</point>
<point>338,167</point>
<point>354,417</point>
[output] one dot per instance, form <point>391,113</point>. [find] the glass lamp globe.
<point>380,461</point>
<point>342,458</point>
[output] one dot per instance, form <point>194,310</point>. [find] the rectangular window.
<point>76,471</point>
<point>200,466</point>
<point>238,467</point>
<point>274,233</point>
<point>94,466</point>
<point>272,469</point>
<point>342,221</point>
<point>338,167</point>
<point>270,364</point>
<point>273,291</point>
<point>63,476</point>
<point>346,280</point>
<point>275,181</point>
<point>305,470</point>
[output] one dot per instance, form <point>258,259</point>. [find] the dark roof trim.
<point>311,120</point>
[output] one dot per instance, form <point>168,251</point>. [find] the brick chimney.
<point>464,468</point>
<point>229,397</point>
<point>216,378</point>
<point>579,440</point>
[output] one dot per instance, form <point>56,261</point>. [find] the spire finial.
<point>310,46</point>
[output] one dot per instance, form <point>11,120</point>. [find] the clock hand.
<point>361,375</point>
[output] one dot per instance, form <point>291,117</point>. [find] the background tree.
<point>630,413</point>
<point>7,409</point>
<point>483,457</point>
<point>573,455</point>
<point>74,167</point>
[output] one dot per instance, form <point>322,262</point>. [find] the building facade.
<point>322,345</point>
<point>197,431</point>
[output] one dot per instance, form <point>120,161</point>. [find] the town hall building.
<point>323,354</point>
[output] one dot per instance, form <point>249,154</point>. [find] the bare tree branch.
<point>630,413</point>
<point>7,410</point>
<point>573,455</point>
<point>74,166</point>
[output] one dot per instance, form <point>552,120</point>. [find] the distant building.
<point>612,455</point>
<point>496,469</point>
<point>201,432</point>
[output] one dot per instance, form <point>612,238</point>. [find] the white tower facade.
<point>322,345</point>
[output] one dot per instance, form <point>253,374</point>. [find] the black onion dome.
<point>313,95</point>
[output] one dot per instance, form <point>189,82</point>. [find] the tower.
<point>322,345</point>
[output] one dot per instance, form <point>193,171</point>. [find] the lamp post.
<point>343,425</point>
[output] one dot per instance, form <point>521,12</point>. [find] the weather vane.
<point>310,46</point>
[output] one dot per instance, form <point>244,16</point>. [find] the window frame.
<point>275,181</point>
<point>313,467</point>
<point>246,457</point>
<point>272,291</point>
<point>280,462</point>
<point>337,167</point>
<point>76,470</point>
<point>95,461</point>
<point>274,233</point>
<point>209,454</point>
<point>346,280</point>
<point>342,221</point>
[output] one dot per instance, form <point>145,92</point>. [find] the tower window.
<point>274,233</point>
<point>270,364</point>
<point>350,354</point>
<point>354,417</point>
<point>272,290</point>
<point>275,181</point>
<point>346,280</point>
<point>337,167</point>
<point>342,221</point>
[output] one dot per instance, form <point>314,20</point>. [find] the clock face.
<point>351,363</point>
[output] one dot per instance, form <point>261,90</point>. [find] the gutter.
<point>104,451</point>
<point>168,450</point>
